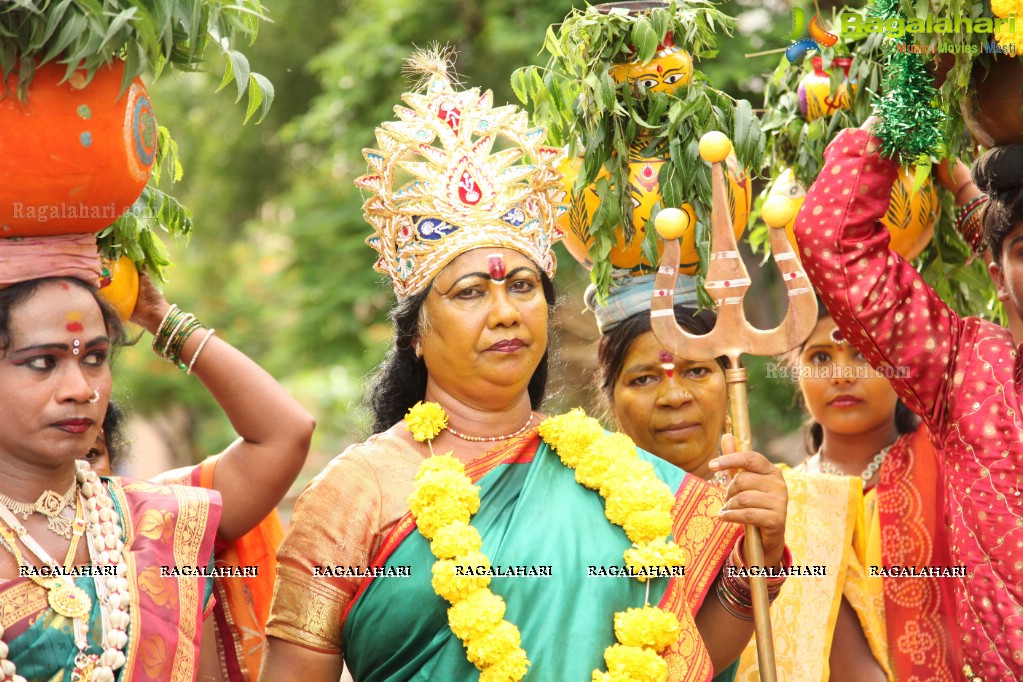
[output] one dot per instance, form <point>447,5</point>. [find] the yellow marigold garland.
<point>445,499</point>
<point>1006,38</point>
<point>443,502</point>
<point>426,420</point>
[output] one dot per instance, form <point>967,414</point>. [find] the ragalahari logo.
<point>819,36</point>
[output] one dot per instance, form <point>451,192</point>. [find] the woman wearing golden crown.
<point>471,537</point>
<point>97,575</point>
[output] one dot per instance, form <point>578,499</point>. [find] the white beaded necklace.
<point>827,467</point>
<point>106,548</point>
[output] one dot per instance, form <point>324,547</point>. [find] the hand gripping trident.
<point>727,282</point>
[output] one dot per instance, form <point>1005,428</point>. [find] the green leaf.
<point>237,69</point>
<point>261,96</point>
<point>644,39</point>
<point>119,22</point>
<point>519,79</point>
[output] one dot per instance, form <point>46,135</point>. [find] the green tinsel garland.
<point>911,123</point>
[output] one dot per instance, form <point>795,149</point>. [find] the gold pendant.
<point>68,599</point>
<point>50,504</point>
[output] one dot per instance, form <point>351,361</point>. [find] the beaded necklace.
<point>866,475</point>
<point>490,439</point>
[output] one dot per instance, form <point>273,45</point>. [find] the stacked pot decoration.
<point>80,139</point>
<point>81,157</point>
<point>631,111</point>
<point>806,104</point>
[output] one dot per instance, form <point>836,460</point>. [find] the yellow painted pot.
<point>670,69</point>
<point>910,220</point>
<point>816,98</point>
<point>643,185</point>
<point>119,285</point>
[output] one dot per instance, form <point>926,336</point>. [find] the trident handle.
<point>754,544</point>
<point>727,282</point>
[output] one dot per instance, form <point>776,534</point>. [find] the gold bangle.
<point>198,350</point>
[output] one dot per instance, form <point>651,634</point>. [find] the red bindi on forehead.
<point>74,319</point>
<point>495,264</point>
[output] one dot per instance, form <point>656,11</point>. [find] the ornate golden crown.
<point>458,194</point>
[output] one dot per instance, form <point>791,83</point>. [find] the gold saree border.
<point>705,542</point>
<point>189,530</point>
<point>117,490</point>
<point>19,599</point>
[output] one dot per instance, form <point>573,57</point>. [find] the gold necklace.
<point>106,551</point>
<point>62,594</point>
<point>50,505</point>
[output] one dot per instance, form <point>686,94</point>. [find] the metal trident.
<point>727,282</point>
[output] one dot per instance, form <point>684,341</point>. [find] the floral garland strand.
<point>1006,38</point>
<point>444,501</point>
<point>641,504</point>
<point>442,504</point>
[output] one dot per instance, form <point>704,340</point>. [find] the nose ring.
<point>94,398</point>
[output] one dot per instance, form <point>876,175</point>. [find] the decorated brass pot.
<point>670,69</point>
<point>910,218</point>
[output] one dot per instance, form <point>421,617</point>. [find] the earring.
<point>95,396</point>
<point>418,350</point>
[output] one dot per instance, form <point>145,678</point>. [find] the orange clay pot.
<point>646,194</point>
<point>119,285</point>
<point>910,219</point>
<point>73,157</point>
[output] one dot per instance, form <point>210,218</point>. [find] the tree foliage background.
<point>277,261</point>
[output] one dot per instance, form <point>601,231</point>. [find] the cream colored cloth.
<point>831,524</point>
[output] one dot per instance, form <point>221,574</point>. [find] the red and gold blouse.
<point>963,376</point>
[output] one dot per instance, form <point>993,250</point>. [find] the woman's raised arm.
<point>274,430</point>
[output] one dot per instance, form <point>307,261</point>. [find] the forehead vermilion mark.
<point>64,286</point>
<point>667,363</point>
<point>74,323</point>
<point>495,263</point>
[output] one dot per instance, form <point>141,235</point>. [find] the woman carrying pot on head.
<point>959,374</point>
<point>493,561</point>
<point>92,561</point>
